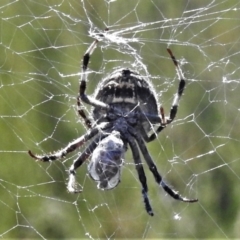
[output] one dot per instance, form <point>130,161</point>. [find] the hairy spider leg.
<point>72,185</point>
<point>70,147</point>
<point>162,115</point>
<point>175,103</point>
<point>141,174</point>
<point>82,114</point>
<point>83,85</point>
<point>86,58</point>
<point>181,87</point>
<point>155,172</point>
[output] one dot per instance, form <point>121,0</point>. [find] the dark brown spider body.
<point>126,89</point>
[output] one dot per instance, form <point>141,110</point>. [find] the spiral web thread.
<point>42,44</point>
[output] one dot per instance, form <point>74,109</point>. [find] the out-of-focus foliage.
<point>42,44</point>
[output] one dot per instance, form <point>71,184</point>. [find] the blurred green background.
<point>42,44</point>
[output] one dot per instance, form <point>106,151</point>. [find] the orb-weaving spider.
<point>125,107</point>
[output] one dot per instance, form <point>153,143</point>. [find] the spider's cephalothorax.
<point>125,108</point>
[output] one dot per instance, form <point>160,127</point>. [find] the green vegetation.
<point>42,44</point>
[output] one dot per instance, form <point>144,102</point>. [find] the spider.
<point>124,109</point>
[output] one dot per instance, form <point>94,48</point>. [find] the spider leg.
<point>88,122</point>
<point>141,173</point>
<point>153,119</point>
<point>71,146</point>
<point>82,114</point>
<point>175,103</point>
<point>83,83</point>
<point>162,125</point>
<point>181,87</point>
<point>156,174</point>
<point>72,185</point>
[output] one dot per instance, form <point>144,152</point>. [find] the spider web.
<point>42,44</point>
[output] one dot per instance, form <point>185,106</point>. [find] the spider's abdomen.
<point>127,89</point>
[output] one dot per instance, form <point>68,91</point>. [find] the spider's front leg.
<point>82,114</point>
<point>82,88</point>
<point>181,87</point>
<point>83,83</point>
